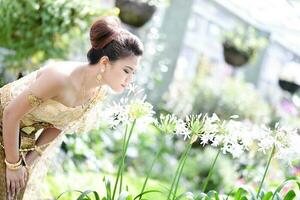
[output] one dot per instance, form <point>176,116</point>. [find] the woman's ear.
<point>104,60</point>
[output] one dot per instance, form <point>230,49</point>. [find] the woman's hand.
<point>30,158</point>
<point>15,181</point>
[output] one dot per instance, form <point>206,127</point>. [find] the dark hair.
<point>109,39</point>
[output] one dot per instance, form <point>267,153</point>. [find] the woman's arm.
<point>48,85</point>
<point>45,137</point>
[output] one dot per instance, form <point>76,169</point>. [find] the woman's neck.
<point>88,73</point>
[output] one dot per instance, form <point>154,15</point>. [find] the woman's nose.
<point>129,79</point>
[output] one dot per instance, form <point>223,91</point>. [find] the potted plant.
<point>240,46</point>
<point>289,86</point>
<point>136,12</point>
<point>289,78</point>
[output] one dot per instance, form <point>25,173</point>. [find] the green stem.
<point>149,171</point>
<point>176,174</point>
<point>123,149</point>
<point>266,170</point>
<point>181,169</point>
<point>210,171</point>
<point>120,170</point>
<point>174,179</point>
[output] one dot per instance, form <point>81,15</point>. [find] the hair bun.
<point>103,31</point>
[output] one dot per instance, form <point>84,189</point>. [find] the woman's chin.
<point>119,89</point>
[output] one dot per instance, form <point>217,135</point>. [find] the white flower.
<point>123,101</point>
<point>217,140</point>
<point>181,129</point>
<point>234,137</point>
<point>210,124</point>
<point>116,114</point>
<point>198,126</point>
<point>206,138</point>
<point>236,150</point>
<point>234,117</point>
<point>132,88</point>
<point>285,142</point>
<point>284,139</point>
<point>195,124</point>
<point>129,109</point>
<point>138,109</point>
<point>166,123</point>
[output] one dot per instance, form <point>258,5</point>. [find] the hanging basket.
<point>134,12</point>
<point>289,86</point>
<point>234,56</point>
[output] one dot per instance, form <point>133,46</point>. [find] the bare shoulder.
<point>58,76</point>
<point>53,71</point>
<point>59,69</point>
<point>49,83</point>
<point>51,80</point>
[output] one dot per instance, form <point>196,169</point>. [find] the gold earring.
<point>99,77</point>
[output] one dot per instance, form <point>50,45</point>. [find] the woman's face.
<point>118,74</point>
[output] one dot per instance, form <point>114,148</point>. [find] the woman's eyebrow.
<point>129,67</point>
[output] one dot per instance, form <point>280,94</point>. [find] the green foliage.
<point>227,97</point>
<point>245,40</point>
<point>97,189</point>
<point>243,193</point>
<point>36,30</point>
<point>118,193</point>
<point>223,176</point>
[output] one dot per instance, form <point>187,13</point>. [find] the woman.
<point>38,107</point>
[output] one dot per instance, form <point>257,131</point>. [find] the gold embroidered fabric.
<point>48,113</point>
<point>51,111</point>
<point>34,100</point>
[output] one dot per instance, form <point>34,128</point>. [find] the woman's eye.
<point>126,71</point>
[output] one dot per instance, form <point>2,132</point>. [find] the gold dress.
<point>49,113</point>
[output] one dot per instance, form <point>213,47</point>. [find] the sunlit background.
<point>229,57</point>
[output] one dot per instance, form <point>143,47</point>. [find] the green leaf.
<point>68,192</point>
<point>108,188</point>
<point>201,196</point>
<point>276,197</point>
<point>239,193</point>
<point>84,195</point>
<point>228,195</point>
<point>185,194</point>
<point>278,189</point>
<point>145,192</point>
<point>213,193</point>
<point>268,196</point>
<point>290,195</point>
<point>125,196</point>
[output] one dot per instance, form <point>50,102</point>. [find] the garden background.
<point>221,113</point>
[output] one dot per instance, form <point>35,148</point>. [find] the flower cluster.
<point>139,109</point>
<point>166,123</point>
<point>285,140</point>
<point>232,136</point>
<point>130,108</point>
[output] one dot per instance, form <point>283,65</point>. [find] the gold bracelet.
<point>38,150</point>
<point>15,168</point>
<point>13,165</point>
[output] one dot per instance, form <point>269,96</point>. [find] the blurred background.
<point>228,57</point>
